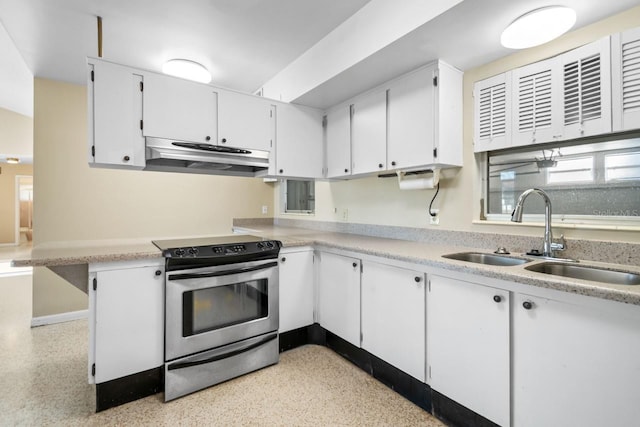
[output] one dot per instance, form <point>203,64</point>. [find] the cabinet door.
<point>339,296</point>
<point>338,140</point>
<point>179,109</point>
<point>115,112</point>
<point>586,90</point>
<point>299,150</point>
<point>128,315</point>
<point>536,103</point>
<point>468,346</point>
<point>625,80</point>
<point>244,121</point>
<point>411,103</point>
<point>296,289</point>
<point>369,133</point>
<point>393,316</point>
<point>575,365</point>
<point>492,113</point>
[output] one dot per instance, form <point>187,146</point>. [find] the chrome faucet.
<point>549,247</point>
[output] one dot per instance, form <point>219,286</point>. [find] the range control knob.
<point>193,251</point>
<point>179,252</point>
<point>259,245</point>
<point>269,245</point>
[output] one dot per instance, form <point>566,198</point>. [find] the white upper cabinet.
<point>179,109</point>
<point>299,150</point>
<point>244,121</point>
<point>338,141</point>
<point>625,79</point>
<point>115,116</point>
<point>492,113</point>
<point>412,120</point>
<point>369,133</point>
<point>536,103</point>
<point>586,90</point>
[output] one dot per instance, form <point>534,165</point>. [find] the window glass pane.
<point>622,166</point>
<point>299,196</point>
<point>571,170</point>
<point>595,180</point>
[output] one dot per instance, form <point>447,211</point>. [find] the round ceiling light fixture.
<point>13,160</point>
<point>538,27</point>
<point>187,69</point>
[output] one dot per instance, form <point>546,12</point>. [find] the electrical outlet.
<point>435,220</point>
<point>265,209</point>
<point>345,214</point>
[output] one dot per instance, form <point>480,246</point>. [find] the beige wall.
<point>16,138</point>
<point>8,199</point>
<point>16,133</point>
<point>379,201</point>
<point>75,202</point>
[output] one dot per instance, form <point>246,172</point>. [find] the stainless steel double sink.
<point>555,268</point>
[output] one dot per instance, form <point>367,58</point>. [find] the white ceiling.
<point>246,42</point>
<point>242,42</point>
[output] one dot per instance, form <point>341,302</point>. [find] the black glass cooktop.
<point>164,245</point>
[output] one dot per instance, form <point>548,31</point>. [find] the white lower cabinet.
<point>576,362</point>
<point>339,295</point>
<point>393,316</point>
<point>296,288</point>
<point>468,345</point>
<point>126,318</point>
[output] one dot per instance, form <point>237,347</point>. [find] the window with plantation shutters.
<point>534,101</point>
<point>631,76</point>
<point>586,90</point>
<point>493,104</point>
<point>582,90</point>
<point>492,113</point>
<point>625,79</point>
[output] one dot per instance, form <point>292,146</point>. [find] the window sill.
<point>297,214</point>
<point>565,225</point>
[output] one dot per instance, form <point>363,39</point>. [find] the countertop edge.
<point>292,238</point>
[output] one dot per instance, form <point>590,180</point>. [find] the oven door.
<point>213,306</point>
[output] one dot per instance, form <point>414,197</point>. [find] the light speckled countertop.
<point>423,253</point>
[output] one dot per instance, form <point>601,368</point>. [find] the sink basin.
<point>614,277</point>
<point>490,259</point>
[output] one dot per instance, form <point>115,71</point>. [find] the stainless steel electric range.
<point>221,310</point>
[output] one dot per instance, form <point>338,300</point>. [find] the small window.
<point>596,182</point>
<point>298,196</point>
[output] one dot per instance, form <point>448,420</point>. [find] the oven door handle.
<point>217,357</point>
<point>186,276</point>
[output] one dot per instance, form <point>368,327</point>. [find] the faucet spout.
<point>516,216</point>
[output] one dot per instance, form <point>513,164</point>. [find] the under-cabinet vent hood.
<point>169,155</point>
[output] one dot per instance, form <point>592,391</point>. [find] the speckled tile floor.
<point>43,381</point>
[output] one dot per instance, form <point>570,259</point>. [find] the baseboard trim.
<point>59,318</point>
<point>127,389</point>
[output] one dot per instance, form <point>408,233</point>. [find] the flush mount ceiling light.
<point>13,160</point>
<point>538,27</point>
<point>187,69</point>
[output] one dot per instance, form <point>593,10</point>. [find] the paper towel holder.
<point>425,183</point>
